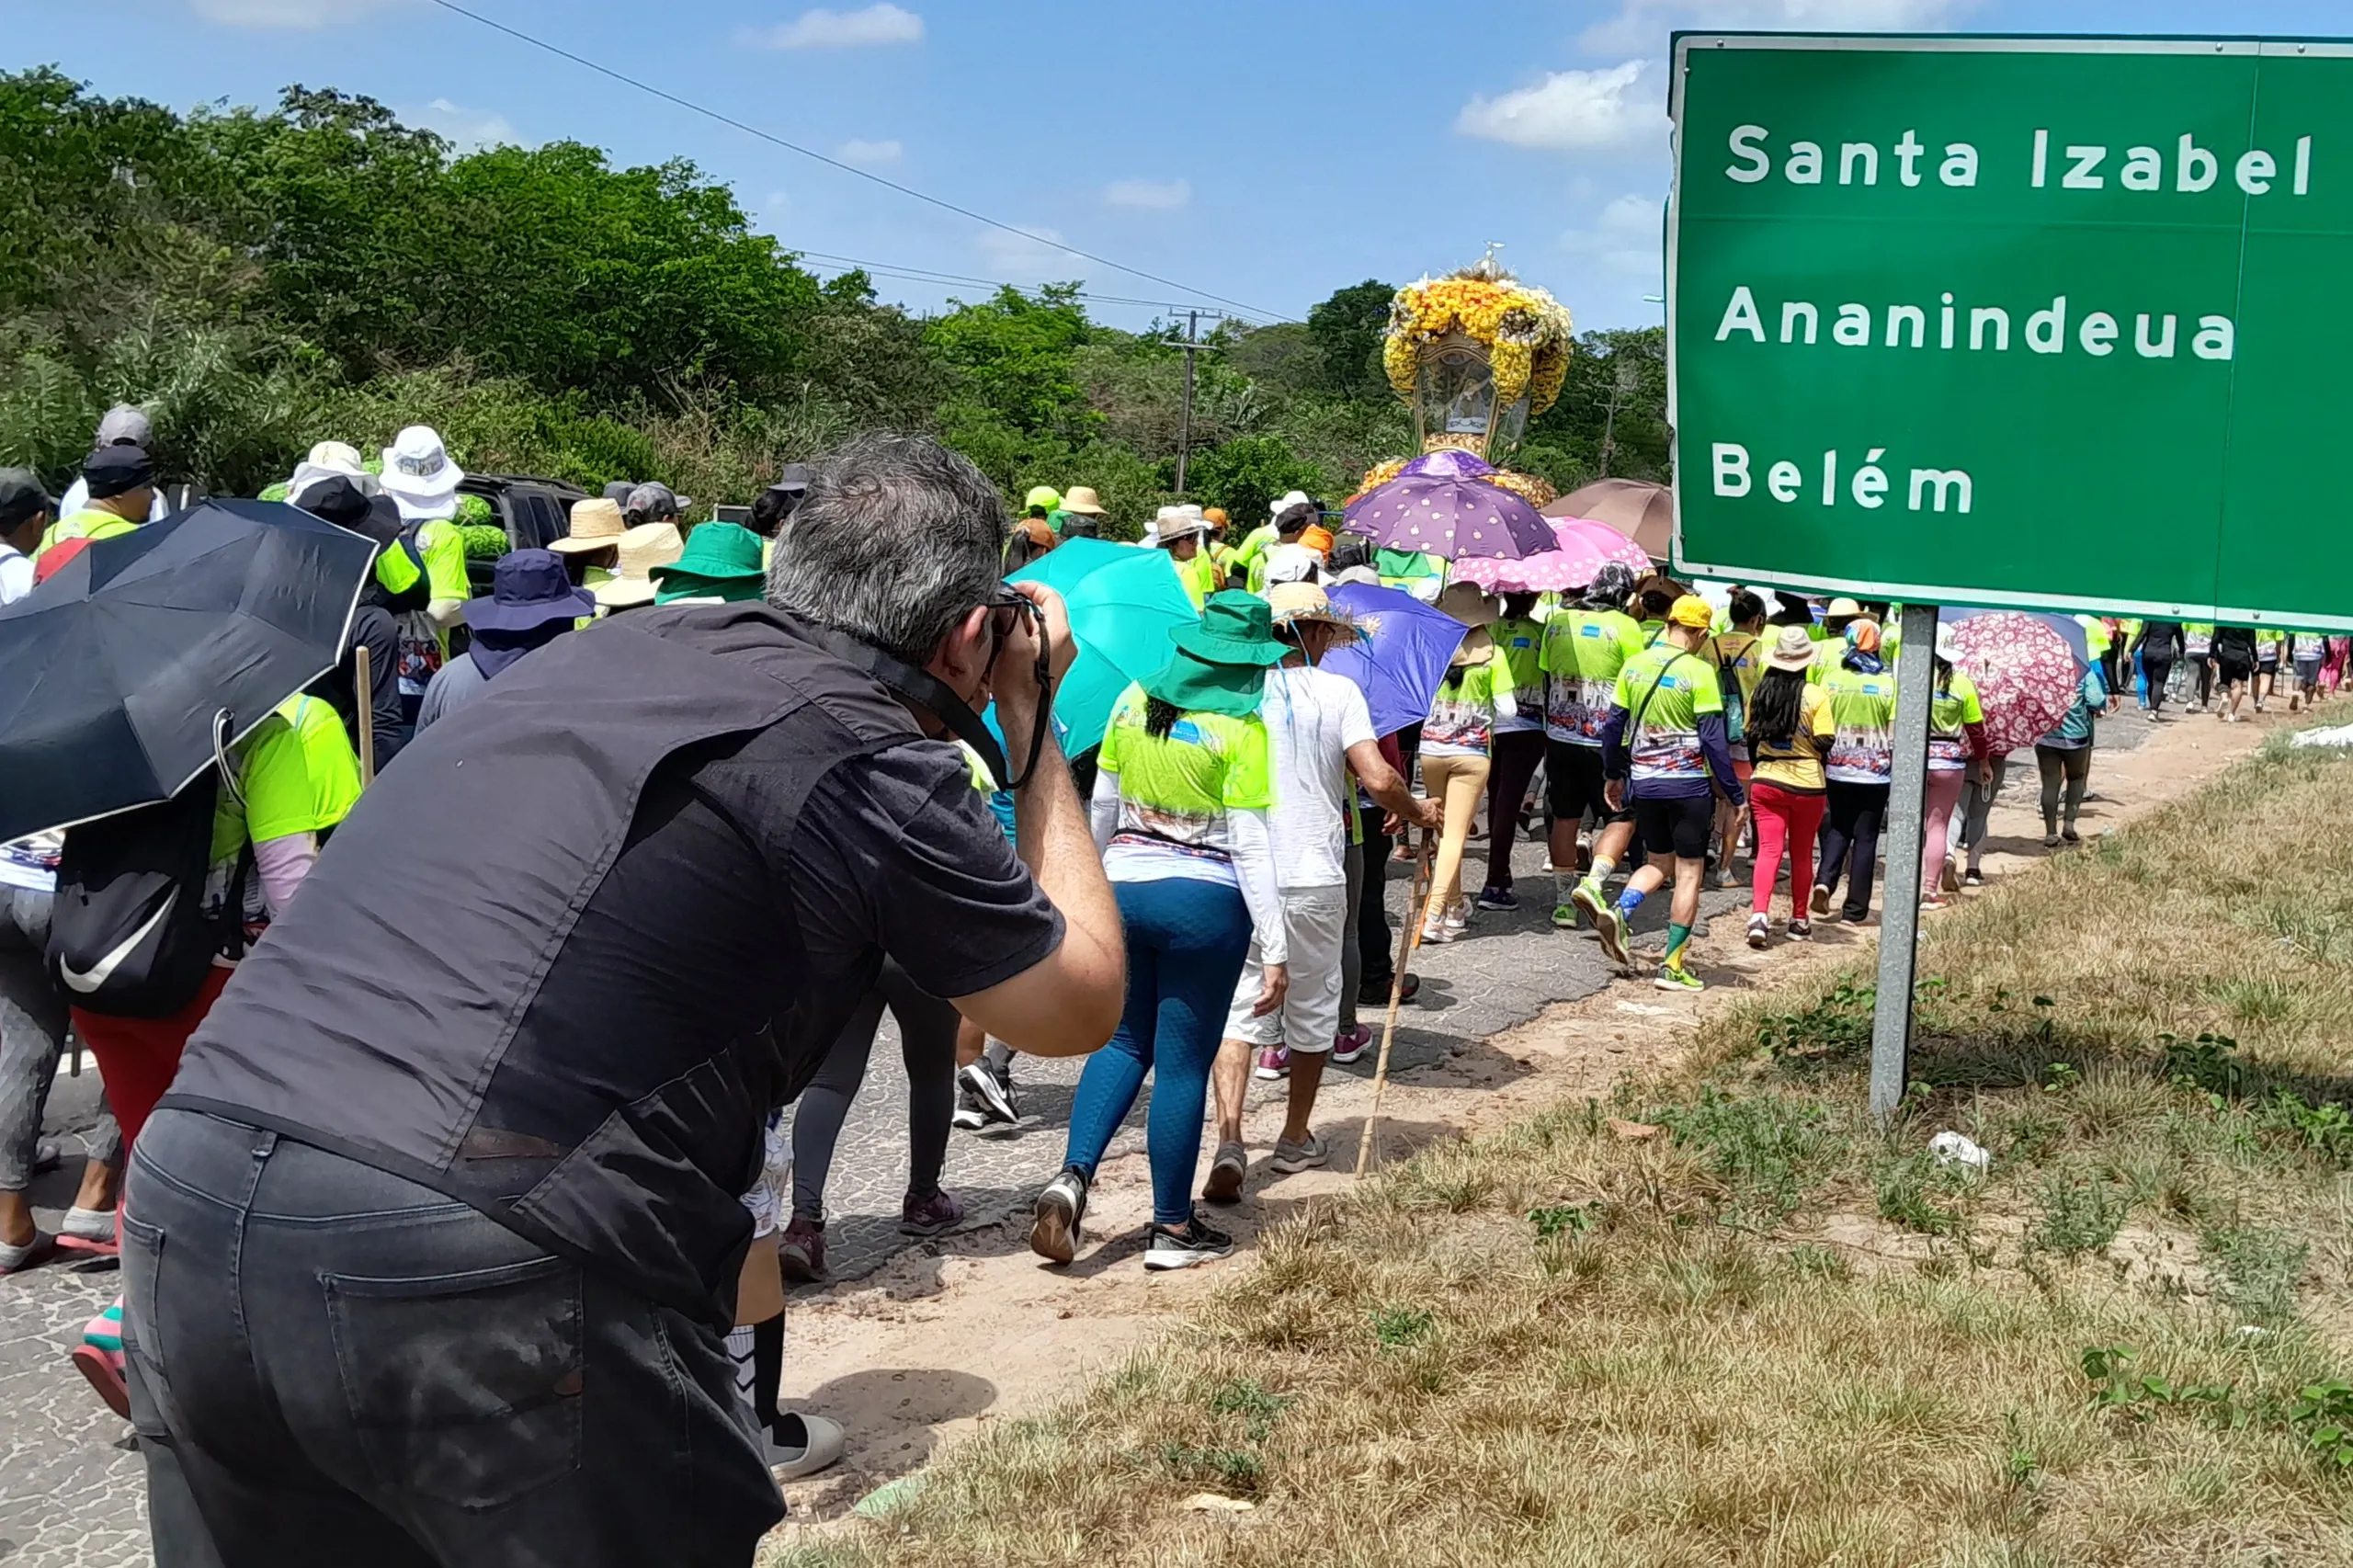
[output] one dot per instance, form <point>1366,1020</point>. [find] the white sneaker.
<point>1761,931</point>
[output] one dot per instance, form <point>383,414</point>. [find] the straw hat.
<point>1477,648</point>
<point>642,549</point>
<point>1176,522</point>
<point>1466,604</point>
<point>597,524</point>
<point>1289,603</point>
<point>1081,499</point>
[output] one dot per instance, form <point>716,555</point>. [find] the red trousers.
<point>137,1057</point>
<point>1785,820</point>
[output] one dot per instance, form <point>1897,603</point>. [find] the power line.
<point>770,137</point>
<point>930,274</point>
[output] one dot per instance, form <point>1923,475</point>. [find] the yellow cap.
<point>1692,610</point>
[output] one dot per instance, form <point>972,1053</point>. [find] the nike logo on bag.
<point>97,974</point>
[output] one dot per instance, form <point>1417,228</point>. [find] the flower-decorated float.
<point>1475,354</point>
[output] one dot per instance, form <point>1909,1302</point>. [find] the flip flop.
<point>104,1376</point>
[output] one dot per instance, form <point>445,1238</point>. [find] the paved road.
<point>70,1492</point>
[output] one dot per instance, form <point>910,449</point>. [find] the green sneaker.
<point>1674,977</point>
<point>1610,926</point>
<point>1565,917</point>
<point>1589,896</point>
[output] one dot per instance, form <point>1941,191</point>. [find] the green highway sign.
<point>2054,322</point>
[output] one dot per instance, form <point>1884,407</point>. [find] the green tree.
<point>1016,353</point>
<point>1244,476</point>
<point>1346,329</point>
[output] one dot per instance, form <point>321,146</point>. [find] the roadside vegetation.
<point>1724,1318</point>
<point>261,278</point>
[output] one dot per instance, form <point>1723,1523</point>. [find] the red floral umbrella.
<point>2026,675</point>
<point>1584,547</point>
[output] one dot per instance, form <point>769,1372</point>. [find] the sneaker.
<point>1226,1171</point>
<point>819,1446</point>
<point>1274,1062</point>
<point>1819,902</point>
<point>1973,878</point>
<point>1458,915</point>
<point>1292,1158</point>
<point>1590,899</point>
<point>1438,933</point>
<point>2071,836</point>
<point>1674,977</point>
<point>1760,932</point>
<point>801,1252</point>
<point>992,1094</point>
<point>1610,926</point>
<point>1350,1044</point>
<point>933,1216</point>
<point>1054,1218</point>
<point>1722,878</point>
<point>1375,993</point>
<point>1566,918</point>
<point>1498,898</point>
<point>1800,930</point>
<point>1948,877</point>
<point>2051,841</point>
<point>1934,903</point>
<point>969,1114</point>
<point>1182,1249</point>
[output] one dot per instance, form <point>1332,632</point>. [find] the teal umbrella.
<point>1124,601</point>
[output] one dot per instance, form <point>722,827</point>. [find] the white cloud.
<point>1153,195</point>
<point>302,14</point>
<point>1020,258</point>
<point>821,28</point>
<point>1625,237</point>
<point>870,155</point>
<point>1575,110</point>
<point>469,129</point>
<point>1641,27</point>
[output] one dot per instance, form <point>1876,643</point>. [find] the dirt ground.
<point>975,1329</point>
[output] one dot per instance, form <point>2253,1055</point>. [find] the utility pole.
<point>1628,378</point>
<point>1184,422</point>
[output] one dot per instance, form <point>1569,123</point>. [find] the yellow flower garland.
<point>1527,334</point>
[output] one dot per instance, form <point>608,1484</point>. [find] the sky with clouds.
<point>1266,151</point>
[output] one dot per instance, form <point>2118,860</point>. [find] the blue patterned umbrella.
<point>1406,648</point>
<point>1450,517</point>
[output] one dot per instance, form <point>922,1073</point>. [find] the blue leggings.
<point>1187,940</point>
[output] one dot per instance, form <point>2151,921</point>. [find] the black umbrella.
<point>113,673</point>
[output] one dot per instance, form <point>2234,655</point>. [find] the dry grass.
<point>1774,1334</point>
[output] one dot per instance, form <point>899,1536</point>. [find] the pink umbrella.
<point>2026,675</point>
<point>1644,512</point>
<point>1584,547</point>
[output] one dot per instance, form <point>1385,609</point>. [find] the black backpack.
<point>135,929</point>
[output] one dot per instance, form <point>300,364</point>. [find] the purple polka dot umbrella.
<point>1449,517</point>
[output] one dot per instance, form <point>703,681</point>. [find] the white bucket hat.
<point>1293,563</point>
<point>1175,522</point>
<point>419,475</point>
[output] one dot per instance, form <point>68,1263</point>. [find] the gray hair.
<point>896,540</point>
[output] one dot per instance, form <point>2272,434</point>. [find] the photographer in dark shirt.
<point>430,1253</point>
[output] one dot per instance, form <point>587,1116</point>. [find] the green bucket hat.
<point>721,561</point>
<point>1222,660</point>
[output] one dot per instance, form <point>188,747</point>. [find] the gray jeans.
<point>32,1039</point>
<point>332,1366</point>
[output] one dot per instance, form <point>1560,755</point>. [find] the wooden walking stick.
<point>364,698</point>
<point>1408,942</point>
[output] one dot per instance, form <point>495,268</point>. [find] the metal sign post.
<point>1899,916</point>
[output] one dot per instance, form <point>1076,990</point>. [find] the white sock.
<point>88,1224</point>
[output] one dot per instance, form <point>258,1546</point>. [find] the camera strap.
<point>932,695</point>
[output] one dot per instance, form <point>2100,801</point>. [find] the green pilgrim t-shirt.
<point>1950,710</point>
<point>298,774</point>
<point>1176,790</point>
<point>1666,691</point>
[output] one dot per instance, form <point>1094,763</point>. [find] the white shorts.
<point>1315,924</point>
